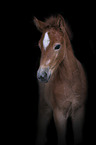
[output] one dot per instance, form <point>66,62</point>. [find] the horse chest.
<point>47,94</point>
<point>62,93</point>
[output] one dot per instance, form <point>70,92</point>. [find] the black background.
<point>81,19</point>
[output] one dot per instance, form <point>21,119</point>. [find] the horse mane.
<point>52,22</point>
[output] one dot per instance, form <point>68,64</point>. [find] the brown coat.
<point>64,94</point>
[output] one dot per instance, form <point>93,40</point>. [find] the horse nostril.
<point>43,76</point>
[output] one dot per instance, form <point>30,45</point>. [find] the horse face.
<point>52,53</point>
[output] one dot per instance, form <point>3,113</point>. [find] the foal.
<point>62,81</point>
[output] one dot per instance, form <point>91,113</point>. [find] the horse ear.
<point>39,24</point>
<point>61,22</point>
<point>64,26</point>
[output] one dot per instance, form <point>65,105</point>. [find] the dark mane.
<point>52,22</point>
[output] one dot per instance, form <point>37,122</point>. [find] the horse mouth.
<point>44,80</point>
<point>43,75</point>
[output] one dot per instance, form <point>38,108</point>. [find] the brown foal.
<point>62,81</point>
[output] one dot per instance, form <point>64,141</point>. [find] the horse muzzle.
<point>43,74</point>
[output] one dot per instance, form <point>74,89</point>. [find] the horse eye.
<point>57,47</point>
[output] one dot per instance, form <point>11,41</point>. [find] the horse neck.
<point>68,64</point>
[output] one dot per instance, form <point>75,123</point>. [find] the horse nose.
<point>43,75</point>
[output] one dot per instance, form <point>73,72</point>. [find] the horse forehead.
<point>46,40</point>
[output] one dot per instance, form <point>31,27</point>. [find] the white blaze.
<point>48,61</point>
<point>46,40</point>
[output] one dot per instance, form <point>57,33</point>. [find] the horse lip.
<point>44,80</point>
